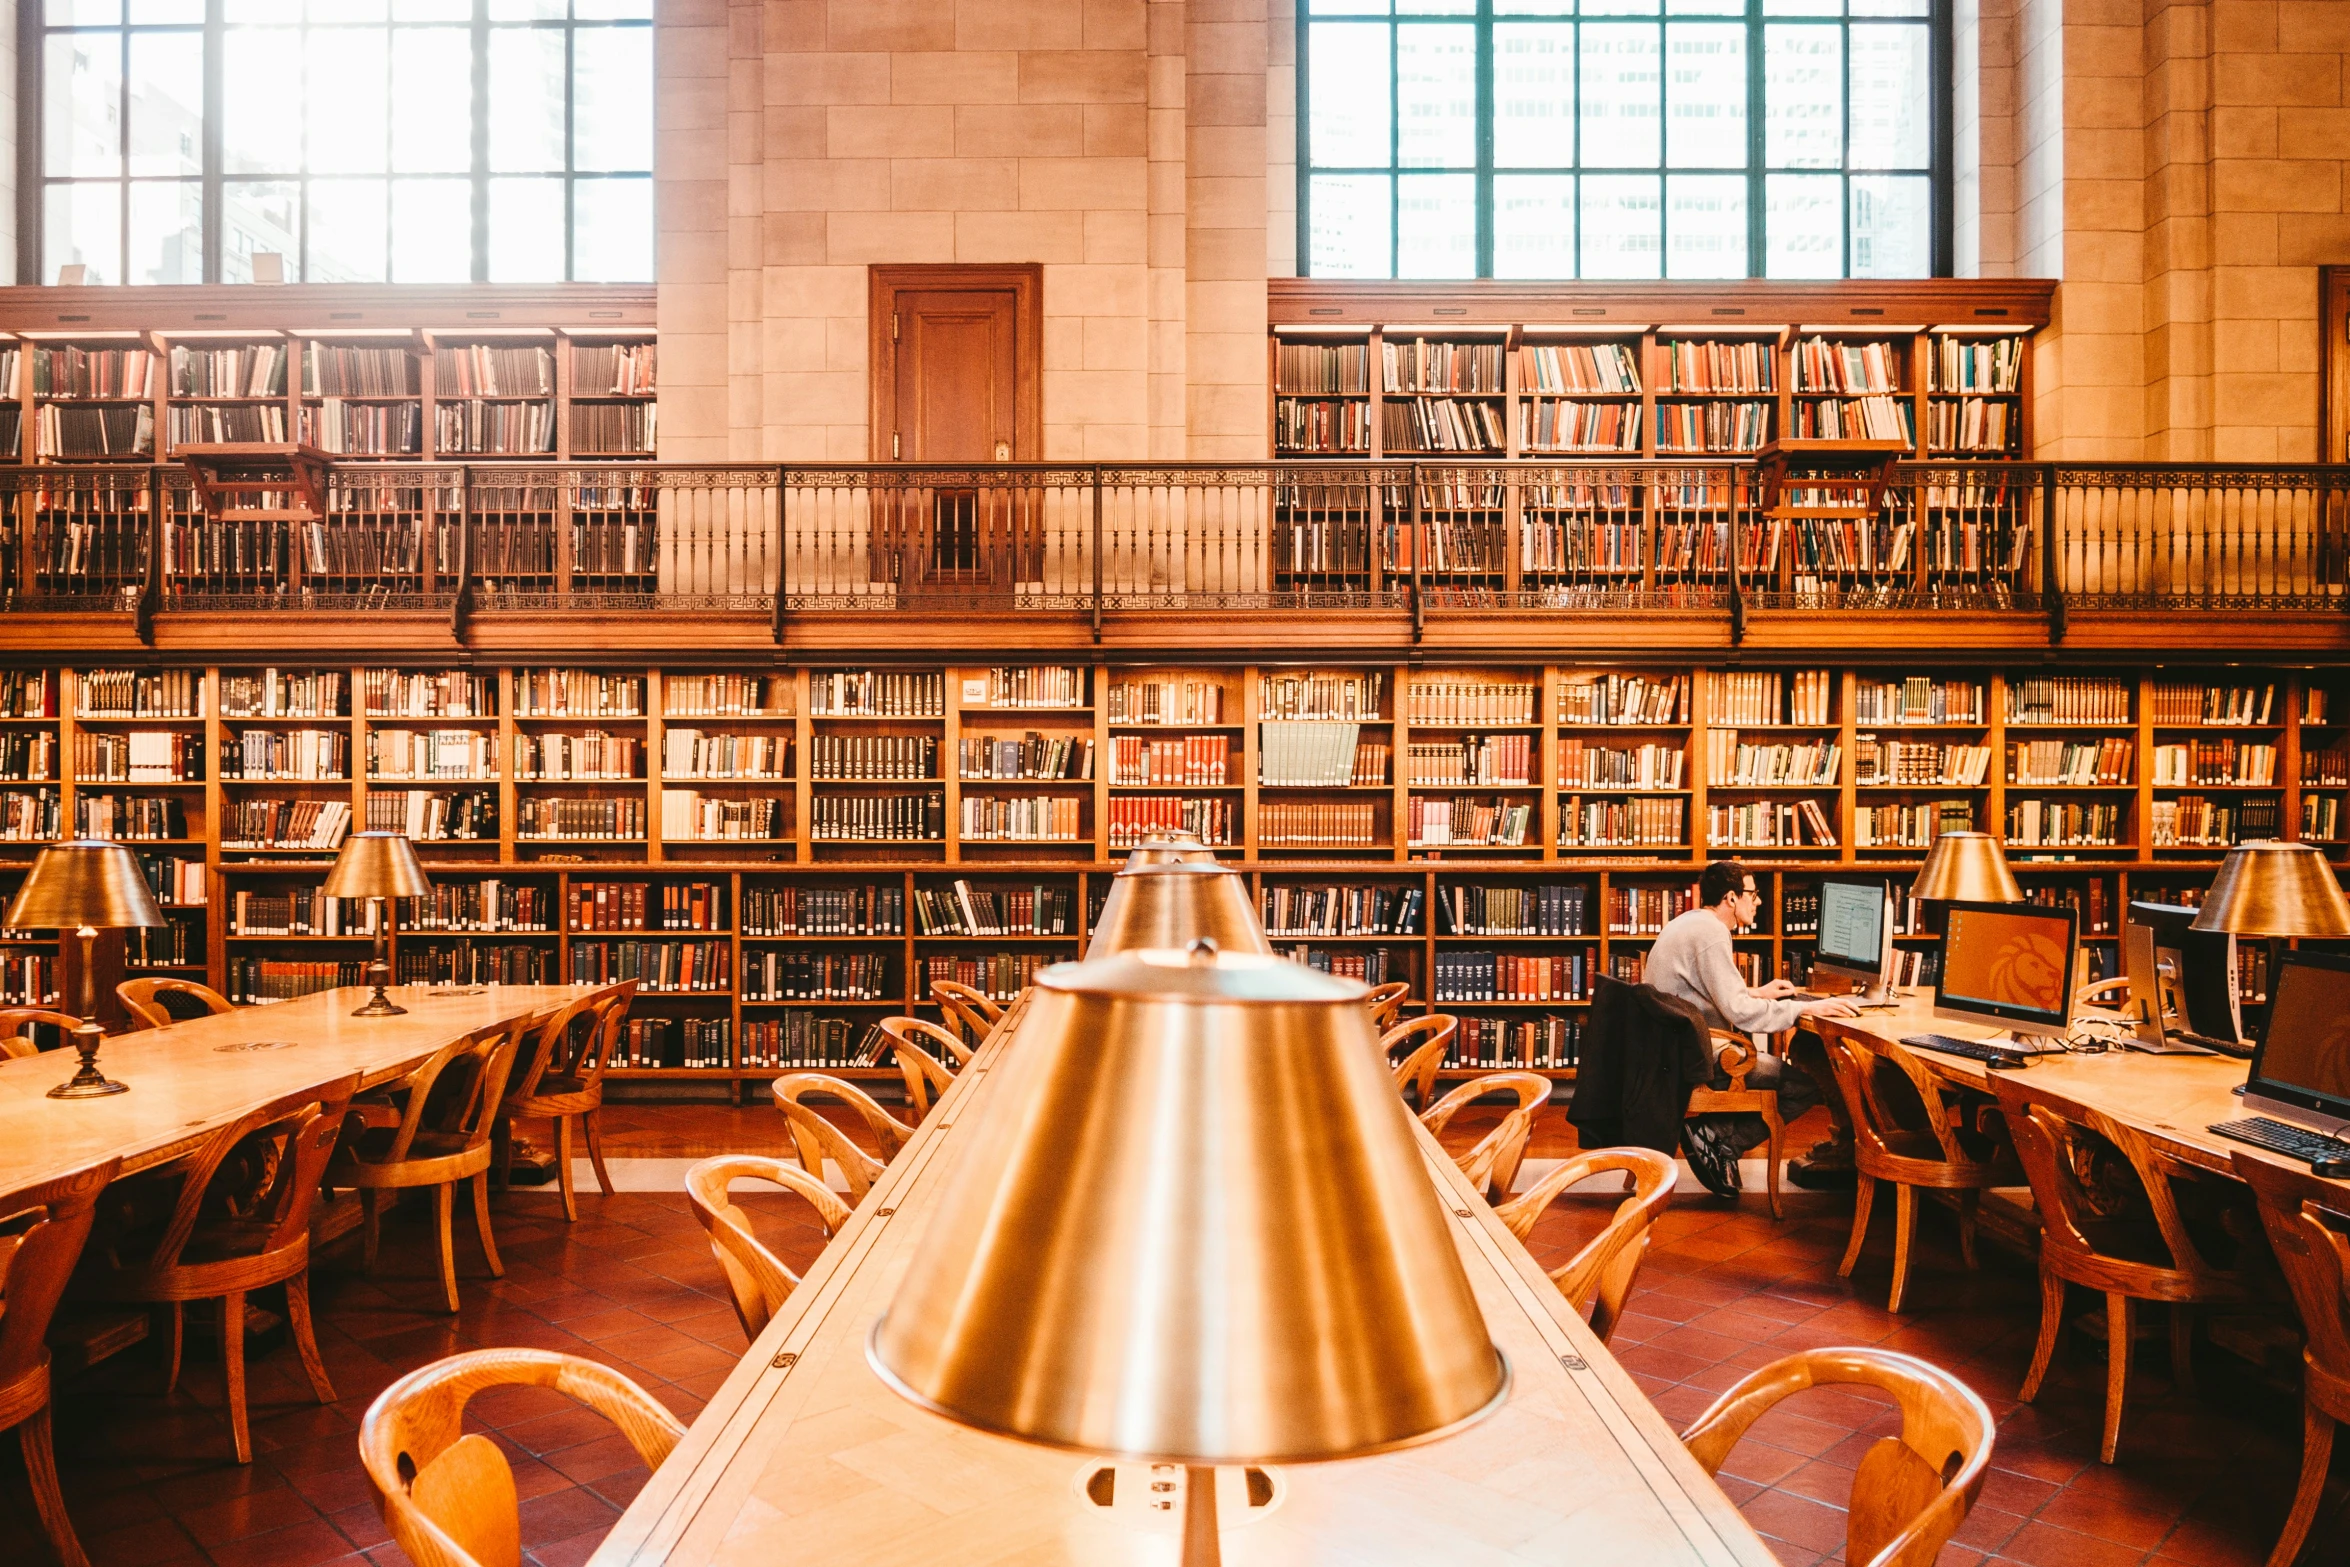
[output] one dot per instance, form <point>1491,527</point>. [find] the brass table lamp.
<point>379,866</point>
<point>85,886</point>
<point>1969,867</point>
<point>1178,846</point>
<point>1175,905</point>
<point>1193,1227</point>
<point>2275,890</point>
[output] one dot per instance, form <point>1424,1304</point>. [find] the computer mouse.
<point>2008,1063</point>
<point>2331,1169</point>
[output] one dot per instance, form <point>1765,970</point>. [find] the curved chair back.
<point>142,999</point>
<point>1416,1050</point>
<point>46,1227</point>
<point>755,1276</point>
<point>2315,1256</point>
<point>447,1498</point>
<point>1912,1491</point>
<point>927,1076</point>
<point>1598,1279</point>
<point>1385,1001</point>
<point>816,1139</point>
<point>1492,1165</point>
<point>968,1011</point>
<point>14,1021</point>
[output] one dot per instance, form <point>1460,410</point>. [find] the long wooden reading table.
<point>804,1455</point>
<point>190,1079</point>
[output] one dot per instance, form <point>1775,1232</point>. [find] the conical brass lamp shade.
<point>1171,848</point>
<point>1174,906</point>
<point>90,883</point>
<point>377,865</point>
<point>1193,1225</point>
<point>2275,889</point>
<point>1968,866</point>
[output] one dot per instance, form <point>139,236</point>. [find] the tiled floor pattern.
<point>2202,1481</point>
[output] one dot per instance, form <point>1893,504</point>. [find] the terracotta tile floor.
<point>2202,1482</point>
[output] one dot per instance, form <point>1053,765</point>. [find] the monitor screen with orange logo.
<point>2007,963</point>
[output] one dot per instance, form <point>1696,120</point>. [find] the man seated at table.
<point>1694,961</point>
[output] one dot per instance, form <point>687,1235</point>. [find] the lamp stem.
<point>1201,1546</point>
<point>87,1081</point>
<point>379,972</point>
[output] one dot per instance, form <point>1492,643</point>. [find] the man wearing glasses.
<point>1694,961</point>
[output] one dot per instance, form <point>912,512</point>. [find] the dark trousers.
<point>1746,1129</point>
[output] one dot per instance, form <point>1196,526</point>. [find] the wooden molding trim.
<point>324,307</point>
<point>1987,302</point>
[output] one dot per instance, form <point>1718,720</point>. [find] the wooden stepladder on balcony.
<point>271,496</point>
<point>1822,523</point>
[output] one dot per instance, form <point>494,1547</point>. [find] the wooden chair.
<point>2128,1241</point>
<point>564,1081</point>
<point>1598,1279</point>
<point>2315,1256</point>
<point>1416,1050</point>
<point>1736,1056</point>
<point>439,1137</point>
<point>1904,1133</point>
<point>815,1139</point>
<point>927,1076</point>
<point>35,1261</point>
<point>14,1021</point>
<point>1910,1492</point>
<point>1385,1001</point>
<point>240,1222</point>
<point>448,1499</point>
<point>757,1278</point>
<point>968,1011</point>
<point>141,998</point>
<point>1492,1165</point>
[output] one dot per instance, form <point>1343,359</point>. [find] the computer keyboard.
<point>1972,1049</point>
<point>2294,1142</point>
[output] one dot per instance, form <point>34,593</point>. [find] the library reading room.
<point>1579,798</point>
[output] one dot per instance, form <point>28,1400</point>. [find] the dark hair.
<point>1719,880</point>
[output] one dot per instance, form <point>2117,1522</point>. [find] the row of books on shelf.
<point>1000,976</point>
<point>1464,821</point>
<point>1373,967</point>
<point>727,696</point>
<point>2321,818</point>
<point>770,975</point>
<point>1447,424</point>
<point>871,910</point>
<point>658,967</point>
<point>177,943</point>
<point>698,1044</point>
<point>1963,364</point>
<point>2191,820</point>
<point>468,962</point>
<point>446,693</point>
<point>1418,365</point>
<point>566,693</point>
<point>1542,1044</point>
<point>452,816</point>
<point>298,911</point>
<point>2175,703</point>
<point>693,753</point>
<point>129,817</point>
<point>2215,762</point>
<point>362,429</point>
<point>1135,817</point>
<point>1033,755</point>
<point>256,982</point>
<point>176,880</point>
<point>614,429</point>
<point>1909,763</point>
<point>1913,826</point>
<point>30,815</point>
<point>1302,425</point>
<point>1769,824</point>
<point>961,909</point>
<point>1752,697</point>
<point>1625,699</point>
<point>1316,824</point>
<point>1512,976</point>
<point>1635,823</point>
<point>560,818</point>
<point>590,753</point>
<point>1712,427</point>
<point>879,818</point>
<point>2329,767</point>
<point>689,816</point>
<point>1359,696</point>
<point>2076,763</point>
<point>2068,699</point>
<point>1553,909</point>
<point>872,758</point>
<point>1578,367</point>
<point>1033,685</point>
<point>285,693</point>
<point>1918,699</point>
<point>1822,365</point>
<point>868,693</point>
<point>1971,425</point>
<point>1197,760</point>
<point>1472,702</point>
<point>485,370</point>
<point>1169,699</point>
<point>130,693</point>
<point>637,905</point>
<point>306,755</point>
<point>491,903</point>
<point>1339,910</point>
<point>1584,765</point>
<point>1854,419</point>
<point>1011,819</point>
<point>494,429</point>
<point>2036,824</point>
<point>1473,759</point>
<point>1564,427</point>
<point>1315,754</point>
<point>139,756</point>
<point>1750,764</point>
<point>1644,911</point>
<point>333,370</point>
<point>1322,367</point>
<point>214,424</point>
<point>90,372</point>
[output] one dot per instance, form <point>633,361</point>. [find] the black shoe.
<point>1711,1158</point>
<point>1814,1176</point>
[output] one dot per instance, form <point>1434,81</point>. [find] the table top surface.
<point>2172,1099</point>
<point>805,1455</point>
<point>194,1077</point>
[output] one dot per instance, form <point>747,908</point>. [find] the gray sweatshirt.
<point>1692,961</point>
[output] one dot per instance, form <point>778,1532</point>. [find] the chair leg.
<point>1905,1223</point>
<point>40,1462</point>
<point>232,1362</point>
<point>2051,1329</point>
<point>481,1224</point>
<point>502,1152</point>
<point>2317,1448</point>
<point>1772,1151</point>
<point>444,1198</point>
<point>370,1227</point>
<point>563,1168</point>
<point>1864,1197</point>
<point>2182,1347</point>
<point>595,1142</point>
<point>2120,1334</point>
<point>179,1344</point>
<point>306,1336</point>
<point>1970,1209</point>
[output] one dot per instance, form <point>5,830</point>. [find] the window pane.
<point>1533,96</point>
<point>167,232</point>
<point>1436,7</point>
<point>1435,97</point>
<point>529,10</point>
<point>432,231</point>
<point>235,11</point>
<point>1802,8</point>
<point>81,104</point>
<point>1436,225</point>
<point>1892,226</point>
<point>1620,238</point>
<point>612,231</point>
<point>1804,217</point>
<point>345,78</point>
<point>613,10</point>
<point>424,10</point>
<point>1705,97</point>
<point>1348,8</point>
<point>526,99</point>
<point>82,13</point>
<point>612,117</point>
<point>432,100</point>
<point>1705,225</point>
<point>153,13</point>
<point>1533,7</point>
<point>1534,225</point>
<point>167,103</point>
<point>1347,76</point>
<point>347,241</point>
<point>1803,97</point>
<point>259,215</point>
<point>1890,93</point>
<point>82,224</point>
<point>1619,78</point>
<point>1888,7</point>
<point>526,231</point>
<point>1619,7</point>
<point>1348,217</point>
<point>260,68</point>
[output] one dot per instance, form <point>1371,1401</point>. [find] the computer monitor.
<point>1856,936</point>
<point>2181,979</point>
<point>2301,1067</point>
<point>2007,964</point>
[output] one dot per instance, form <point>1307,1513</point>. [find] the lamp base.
<point>379,1005</point>
<point>1202,1545</point>
<point>88,1082</point>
